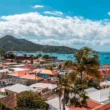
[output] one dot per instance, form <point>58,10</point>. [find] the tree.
<point>2,52</point>
<point>39,55</point>
<point>30,100</point>
<point>11,55</point>
<point>31,59</point>
<point>68,64</point>
<point>87,63</point>
<point>65,83</point>
<point>3,107</point>
<point>30,82</point>
<point>25,55</point>
<point>79,97</point>
<point>46,57</point>
<point>49,67</point>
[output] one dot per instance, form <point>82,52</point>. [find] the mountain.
<point>10,43</point>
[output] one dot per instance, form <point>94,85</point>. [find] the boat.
<point>69,56</point>
<point>106,57</point>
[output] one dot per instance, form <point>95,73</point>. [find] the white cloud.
<point>38,6</point>
<point>55,13</point>
<point>56,30</point>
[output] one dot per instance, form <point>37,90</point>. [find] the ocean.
<point>103,57</point>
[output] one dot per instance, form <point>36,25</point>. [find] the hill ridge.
<point>10,43</point>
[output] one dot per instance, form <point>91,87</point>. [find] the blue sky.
<point>94,9</point>
<point>73,23</point>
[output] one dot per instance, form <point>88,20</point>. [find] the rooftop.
<point>18,88</point>
<point>45,71</point>
<point>31,77</point>
<point>9,101</point>
<point>20,73</point>
<point>91,104</point>
<point>44,85</point>
<point>19,69</point>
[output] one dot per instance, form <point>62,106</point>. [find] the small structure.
<point>3,73</point>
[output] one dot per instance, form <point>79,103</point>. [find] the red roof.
<point>9,101</point>
<point>20,73</point>
<point>103,107</point>
<point>31,77</point>
<point>108,71</point>
<point>91,104</point>
<point>45,71</point>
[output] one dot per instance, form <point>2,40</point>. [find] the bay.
<point>103,57</point>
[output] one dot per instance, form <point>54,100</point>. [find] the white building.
<point>55,105</point>
<point>44,85</point>
<point>99,95</point>
<point>18,88</point>
<point>44,88</point>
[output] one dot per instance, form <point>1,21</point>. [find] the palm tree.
<point>87,63</point>
<point>31,59</point>
<point>67,64</point>
<point>65,83</point>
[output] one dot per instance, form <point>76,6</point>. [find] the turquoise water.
<point>103,57</point>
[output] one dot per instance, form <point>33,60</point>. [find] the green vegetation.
<point>29,100</point>
<point>3,107</point>
<point>46,57</point>
<point>49,67</point>
<point>87,64</point>
<point>68,64</point>
<point>64,83</point>
<point>10,56</point>
<point>84,75</point>
<point>49,57</point>
<point>30,82</point>
<point>38,56</point>
<point>2,52</point>
<point>12,43</point>
<point>26,101</point>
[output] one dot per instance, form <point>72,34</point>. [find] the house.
<point>54,104</point>
<point>31,76</point>
<point>18,74</point>
<point>3,73</point>
<point>17,66</point>
<point>9,101</point>
<point>89,90</point>
<point>44,85</point>
<point>17,69</point>
<point>92,105</point>
<point>17,88</point>
<point>103,107</point>
<point>44,73</point>
<point>100,96</point>
<point>45,88</point>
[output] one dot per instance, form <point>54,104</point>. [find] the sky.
<point>72,23</point>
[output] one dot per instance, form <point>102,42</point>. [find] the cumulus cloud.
<point>55,13</point>
<point>38,6</point>
<point>55,30</point>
